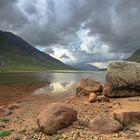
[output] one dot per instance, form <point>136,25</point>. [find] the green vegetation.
<point>57,137</point>
<point>4,133</point>
<point>4,120</point>
<point>135,57</point>
<point>21,63</point>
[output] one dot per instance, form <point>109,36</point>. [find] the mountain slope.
<point>17,54</point>
<point>135,56</point>
<point>85,67</point>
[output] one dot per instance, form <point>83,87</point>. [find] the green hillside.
<point>135,56</point>
<point>17,55</point>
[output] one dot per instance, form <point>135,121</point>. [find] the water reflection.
<point>58,82</point>
<point>57,88</point>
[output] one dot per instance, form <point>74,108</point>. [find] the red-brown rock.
<point>105,125</point>
<point>87,86</point>
<point>55,117</point>
<point>69,99</point>
<point>4,112</point>
<point>92,97</point>
<point>107,89</point>
<point>103,98</point>
<point>126,117</point>
<point>13,106</point>
<point>82,93</point>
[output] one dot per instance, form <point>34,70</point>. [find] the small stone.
<point>103,98</point>
<point>92,97</point>
<point>2,125</point>
<point>134,99</point>
<point>116,135</point>
<point>76,135</point>
<point>133,129</point>
<point>137,134</point>
<point>13,106</point>
<point>17,138</point>
<point>116,103</point>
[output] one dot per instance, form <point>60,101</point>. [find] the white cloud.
<point>101,65</point>
<point>59,51</point>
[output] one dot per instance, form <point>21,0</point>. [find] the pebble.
<point>137,134</point>
<point>17,138</point>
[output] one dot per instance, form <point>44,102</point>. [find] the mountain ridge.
<point>135,56</point>
<point>85,67</point>
<point>17,54</point>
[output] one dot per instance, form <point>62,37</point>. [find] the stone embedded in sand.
<point>92,97</point>
<point>87,86</point>
<point>127,116</point>
<point>82,93</point>
<point>13,106</point>
<point>105,125</point>
<point>55,117</point>
<point>4,112</point>
<point>102,98</point>
<point>123,79</point>
<point>69,99</point>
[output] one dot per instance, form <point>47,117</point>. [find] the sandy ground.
<point>23,120</point>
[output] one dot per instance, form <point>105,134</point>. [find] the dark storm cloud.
<point>11,18</point>
<point>51,22</point>
<point>117,23</point>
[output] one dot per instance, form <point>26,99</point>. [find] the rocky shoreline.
<point>89,115</point>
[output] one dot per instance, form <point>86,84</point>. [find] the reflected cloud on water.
<point>57,88</point>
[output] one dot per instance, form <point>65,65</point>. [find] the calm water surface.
<point>59,81</point>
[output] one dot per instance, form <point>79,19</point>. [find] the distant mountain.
<point>135,56</point>
<point>83,66</point>
<point>17,54</point>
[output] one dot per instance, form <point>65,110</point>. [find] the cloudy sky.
<point>89,31</point>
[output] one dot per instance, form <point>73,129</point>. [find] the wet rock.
<point>122,79</point>
<point>87,86</point>
<point>102,98</point>
<point>92,97</point>
<point>13,106</point>
<point>126,117</point>
<point>55,117</point>
<point>105,125</point>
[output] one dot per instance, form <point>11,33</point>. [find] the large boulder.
<point>127,116</point>
<point>122,79</point>
<point>105,125</point>
<point>55,117</point>
<point>86,86</point>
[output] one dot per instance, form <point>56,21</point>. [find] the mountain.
<point>135,56</point>
<point>83,66</point>
<point>17,54</point>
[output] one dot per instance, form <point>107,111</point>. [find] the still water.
<point>58,81</point>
